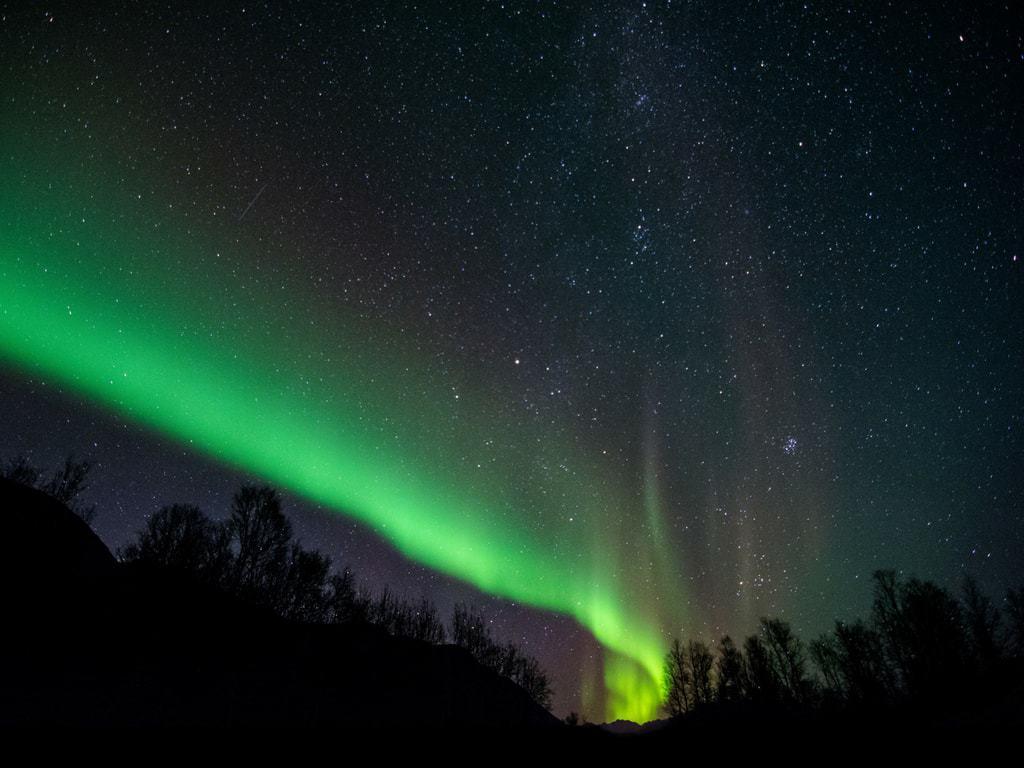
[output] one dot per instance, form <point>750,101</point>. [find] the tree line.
<point>920,647</point>
<point>65,484</point>
<point>254,555</point>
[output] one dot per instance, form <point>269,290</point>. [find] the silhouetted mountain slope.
<point>88,641</point>
<point>45,549</point>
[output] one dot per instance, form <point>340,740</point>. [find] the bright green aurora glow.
<point>96,293</point>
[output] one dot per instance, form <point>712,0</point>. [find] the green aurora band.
<point>98,290</point>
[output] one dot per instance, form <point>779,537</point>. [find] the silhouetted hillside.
<point>46,550</point>
<point>89,641</point>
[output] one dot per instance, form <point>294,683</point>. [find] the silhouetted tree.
<point>922,631</point>
<point>346,605</point>
<point>887,620</point>
<point>688,676</point>
<point>392,614</point>
<point>181,537</point>
<point>262,536</point>
<point>760,681</point>
<point>677,680</point>
<point>303,595</point>
<point>20,470</point>
<point>853,664</point>
<point>788,660</point>
<point>427,625</point>
<point>65,485</point>
<point>403,619</point>
<point>824,652</point>
<point>68,481</point>
<point>702,662</point>
<point>1015,619</point>
<point>729,672</point>
<point>471,631</point>
<point>982,620</point>
<point>533,679</point>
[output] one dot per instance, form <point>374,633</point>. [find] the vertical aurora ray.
<point>140,325</point>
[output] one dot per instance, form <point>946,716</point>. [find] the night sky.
<point>623,322</point>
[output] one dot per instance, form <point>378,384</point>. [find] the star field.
<point>719,303</point>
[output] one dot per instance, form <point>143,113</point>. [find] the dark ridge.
<point>90,642</point>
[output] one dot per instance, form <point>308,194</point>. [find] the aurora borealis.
<point>87,310</point>
<point>634,321</point>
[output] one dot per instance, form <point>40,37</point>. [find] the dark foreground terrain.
<point>88,641</point>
